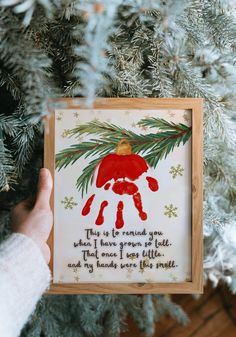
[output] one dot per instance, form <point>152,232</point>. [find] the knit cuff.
<point>24,276</point>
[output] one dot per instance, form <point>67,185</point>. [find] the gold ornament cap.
<point>123,148</point>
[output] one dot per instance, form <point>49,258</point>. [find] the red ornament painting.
<point>121,169</point>
<point>122,195</point>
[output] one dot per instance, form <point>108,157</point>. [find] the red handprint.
<point>120,166</point>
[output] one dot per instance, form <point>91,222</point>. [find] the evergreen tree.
<point>132,48</point>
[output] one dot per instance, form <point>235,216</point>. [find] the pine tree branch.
<point>29,64</point>
<point>154,146</point>
<point>92,148</point>
<point>162,124</point>
<point>101,128</point>
<point>6,165</point>
<point>9,125</point>
<point>86,178</point>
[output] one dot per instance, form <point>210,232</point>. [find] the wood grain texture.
<point>212,315</point>
<point>195,285</point>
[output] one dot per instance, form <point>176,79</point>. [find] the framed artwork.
<point>127,197</point>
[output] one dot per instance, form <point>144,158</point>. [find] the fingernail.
<point>43,173</point>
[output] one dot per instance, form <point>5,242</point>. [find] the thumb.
<point>44,189</point>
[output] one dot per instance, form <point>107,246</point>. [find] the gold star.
<point>76,278</point>
<point>75,270</point>
<point>188,277</point>
<point>132,257</point>
<point>171,113</point>
<point>186,117</point>
<point>148,280</point>
<point>129,272</point>
<point>76,114</point>
<point>61,279</point>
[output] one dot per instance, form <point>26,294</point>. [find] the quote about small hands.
<point>142,250</point>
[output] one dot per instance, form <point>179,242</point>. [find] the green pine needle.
<point>153,146</point>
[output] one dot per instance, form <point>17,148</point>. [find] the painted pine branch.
<point>86,178</point>
<point>101,128</point>
<point>153,146</point>
<point>70,155</point>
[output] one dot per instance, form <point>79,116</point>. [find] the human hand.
<point>35,219</point>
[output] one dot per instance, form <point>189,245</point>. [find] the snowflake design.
<point>173,277</point>
<point>176,171</point>
<point>170,211</point>
<point>59,116</point>
<point>69,202</point>
<point>65,133</point>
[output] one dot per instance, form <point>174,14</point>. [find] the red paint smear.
<point>106,187</point>
<point>139,206</point>
<point>115,166</point>
<point>119,215</point>
<point>88,204</point>
<point>152,184</point>
<point>100,218</point>
<point>124,187</point>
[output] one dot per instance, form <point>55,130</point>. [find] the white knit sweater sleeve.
<point>24,276</point>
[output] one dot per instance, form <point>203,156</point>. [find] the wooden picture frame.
<point>195,105</point>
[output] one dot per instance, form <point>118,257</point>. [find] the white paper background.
<point>70,224</point>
